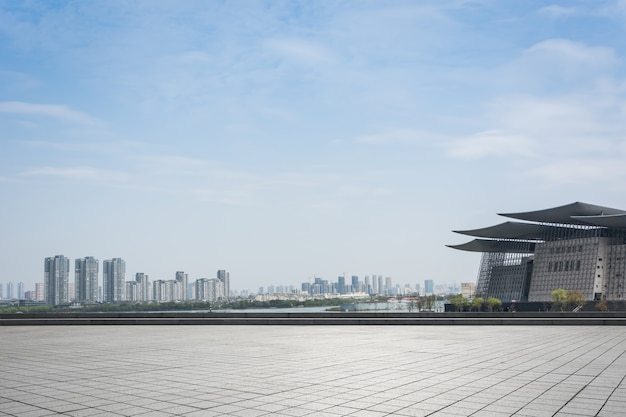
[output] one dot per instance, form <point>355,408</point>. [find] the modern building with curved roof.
<point>577,246</point>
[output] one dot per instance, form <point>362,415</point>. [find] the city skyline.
<point>293,139</point>
<point>59,287</point>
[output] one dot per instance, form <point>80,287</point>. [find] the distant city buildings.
<point>84,288</point>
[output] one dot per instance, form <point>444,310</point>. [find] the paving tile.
<point>163,371</point>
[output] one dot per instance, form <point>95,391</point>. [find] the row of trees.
<point>460,303</point>
<point>561,298</point>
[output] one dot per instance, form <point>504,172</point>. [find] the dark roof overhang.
<point>503,246</point>
<point>611,221</point>
<point>514,230</point>
<point>567,214</point>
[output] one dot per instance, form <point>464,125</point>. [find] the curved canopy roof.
<point>568,214</point>
<point>504,246</point>
<point>513,230</point>
<point>517,237</point>
<point>617,221</point>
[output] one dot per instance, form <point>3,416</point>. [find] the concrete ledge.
<point>323,318</point>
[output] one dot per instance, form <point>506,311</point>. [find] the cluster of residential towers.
<point>59,290</point>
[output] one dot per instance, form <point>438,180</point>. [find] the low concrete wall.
<point>323,318</point>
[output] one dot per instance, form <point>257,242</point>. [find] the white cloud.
<point>55,111</point>
<point>564,104</point>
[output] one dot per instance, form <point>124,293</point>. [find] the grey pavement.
<point>480,371</point>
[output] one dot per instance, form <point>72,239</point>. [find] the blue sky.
<point>286,140</point>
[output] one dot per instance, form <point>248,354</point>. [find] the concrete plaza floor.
<point>310,371</point>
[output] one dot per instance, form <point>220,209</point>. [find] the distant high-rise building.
<point>366,284</point>
<point>374,285</point>
<point>158,291</point>
<point>181,278</point>
<point>143,288</point>
<point>1,291</point>
<point>39,291</point>
<point>208,289</point>
<point>429,286</point>
<point>167,290</point>
<point>468,289</point>
<point>114,280</point>
<point>190,287</point>
<point>56,280</point>
<point>133,291</point>
<point>215,290</point>
<point>341,285</point>
<point>86,279</point>
<point>10,290</point>
<point>381,285</point>
<point>20,290</point>
<point>388,285</point>
<point>224,278</point>
<point>201,289</point>
<point>355,284</point>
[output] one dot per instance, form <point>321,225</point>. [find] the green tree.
<point>477,303</point>
<point>559,298</point>
<point>493,303</point>
<point>576,298</point>
<point>459,302</point>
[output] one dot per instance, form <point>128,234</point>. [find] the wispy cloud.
<point>79,173</point>
<point>556,10</point>
<point>491,143</point>
<point>582,171</point>
<point>400,137</point>
<point>55,111</point>
<point>573,52</point>
<point>305,51</point>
